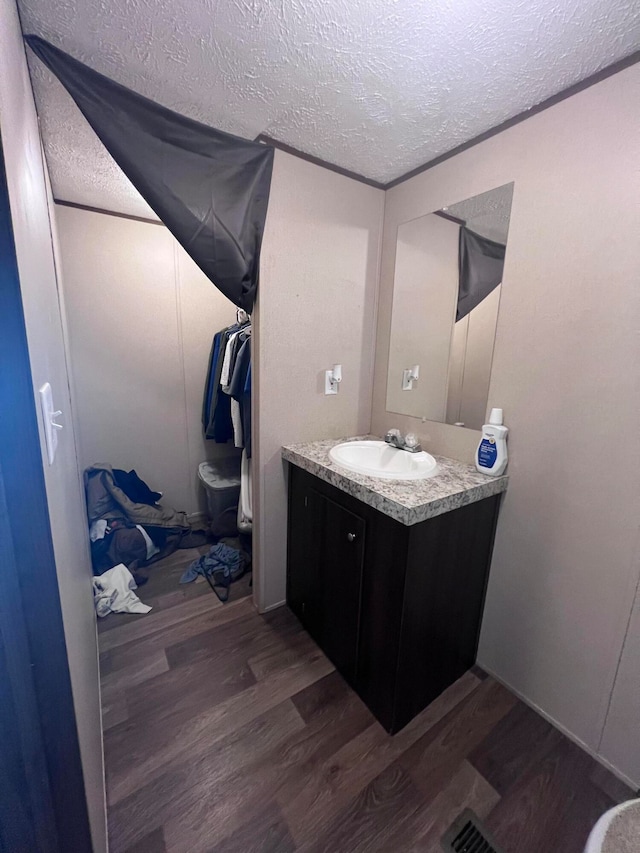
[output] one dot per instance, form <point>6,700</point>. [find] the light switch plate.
<point>330,387</point>
<point>409,376</point>
<point>332,379</point>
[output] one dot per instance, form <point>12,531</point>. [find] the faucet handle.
<point>411,443</point>
<point>411,440</point>
<point>393,436</point>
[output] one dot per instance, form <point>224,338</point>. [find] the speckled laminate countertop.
<point>408,501</point>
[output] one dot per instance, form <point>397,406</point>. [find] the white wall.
<point>141,318</point>
<point>31,209</point>
<point>318,280</point>
<point>566,372</point>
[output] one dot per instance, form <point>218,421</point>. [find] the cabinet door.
<point>446,581</point>
<point>304,536</point>
<point>326,548</point>
<point>338,589</point>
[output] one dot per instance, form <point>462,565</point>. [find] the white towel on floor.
<point>113,592</point>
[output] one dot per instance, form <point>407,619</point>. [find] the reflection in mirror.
<point>446,295</point>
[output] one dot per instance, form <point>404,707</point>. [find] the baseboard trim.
<point>273,606</point>
<point>565,731</point>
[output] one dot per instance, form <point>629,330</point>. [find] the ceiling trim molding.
<point>598,77</point>
<point>448,216</point>
<point>317,161</point>
<point>574,89</point>
<point>107,212</point>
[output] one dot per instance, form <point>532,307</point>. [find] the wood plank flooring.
<point>231,732</point>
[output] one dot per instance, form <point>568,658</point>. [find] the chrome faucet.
<point>409,443</point>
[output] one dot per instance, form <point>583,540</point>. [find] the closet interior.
<point>161,368</point>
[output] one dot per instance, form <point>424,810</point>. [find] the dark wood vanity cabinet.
<point>326,555</point>
<point>396,608</point>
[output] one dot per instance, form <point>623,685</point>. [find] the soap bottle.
<point>491,455</point>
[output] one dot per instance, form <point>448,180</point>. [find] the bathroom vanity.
<point>389,577</point>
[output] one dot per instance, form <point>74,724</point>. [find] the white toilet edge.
<point>599,831</point>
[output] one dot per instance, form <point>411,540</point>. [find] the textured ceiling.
<point>375,86</point>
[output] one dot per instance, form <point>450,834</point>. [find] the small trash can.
<point>221,481</point>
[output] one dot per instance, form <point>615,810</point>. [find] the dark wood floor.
<point>228,731</point>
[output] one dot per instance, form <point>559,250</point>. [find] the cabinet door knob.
<point>351,537</point>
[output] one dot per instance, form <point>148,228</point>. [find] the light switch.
<point>409,376</point>
<point>332,379</point>
<point>49,415</point>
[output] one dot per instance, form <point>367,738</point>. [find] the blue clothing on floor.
<point>222,564</point>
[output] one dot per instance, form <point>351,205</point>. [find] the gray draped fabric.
<point>211,189</point>
<point>481,262</point>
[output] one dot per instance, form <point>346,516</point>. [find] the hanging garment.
<point>220,427</point>
<point>240,367</point>
<point>217,406</point>
<point>246,412</point>
<point>216,410</point>
<point>240,404</point>
<point>229,359</point>
<point>236,422</point>
<point>240,391</point>
<point>209,385</point>
<point>113,593</point>
<point>211,189</point>
<point>245,510</point>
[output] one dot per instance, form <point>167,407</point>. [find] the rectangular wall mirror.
<point>446,296</point>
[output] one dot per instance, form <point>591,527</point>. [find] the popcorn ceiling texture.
<point>375,86</point>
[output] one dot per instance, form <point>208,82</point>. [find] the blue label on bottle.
<point>487,453</point>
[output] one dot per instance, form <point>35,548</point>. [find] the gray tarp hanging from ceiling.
<point>211,189</point>
<point>481,262</point>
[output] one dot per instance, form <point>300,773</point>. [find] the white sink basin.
<point>378,459</point>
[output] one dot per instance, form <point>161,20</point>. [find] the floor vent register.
<point>466,835</point>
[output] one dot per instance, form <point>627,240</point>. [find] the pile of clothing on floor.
<point>128,526</point>
<point>226,562</point>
